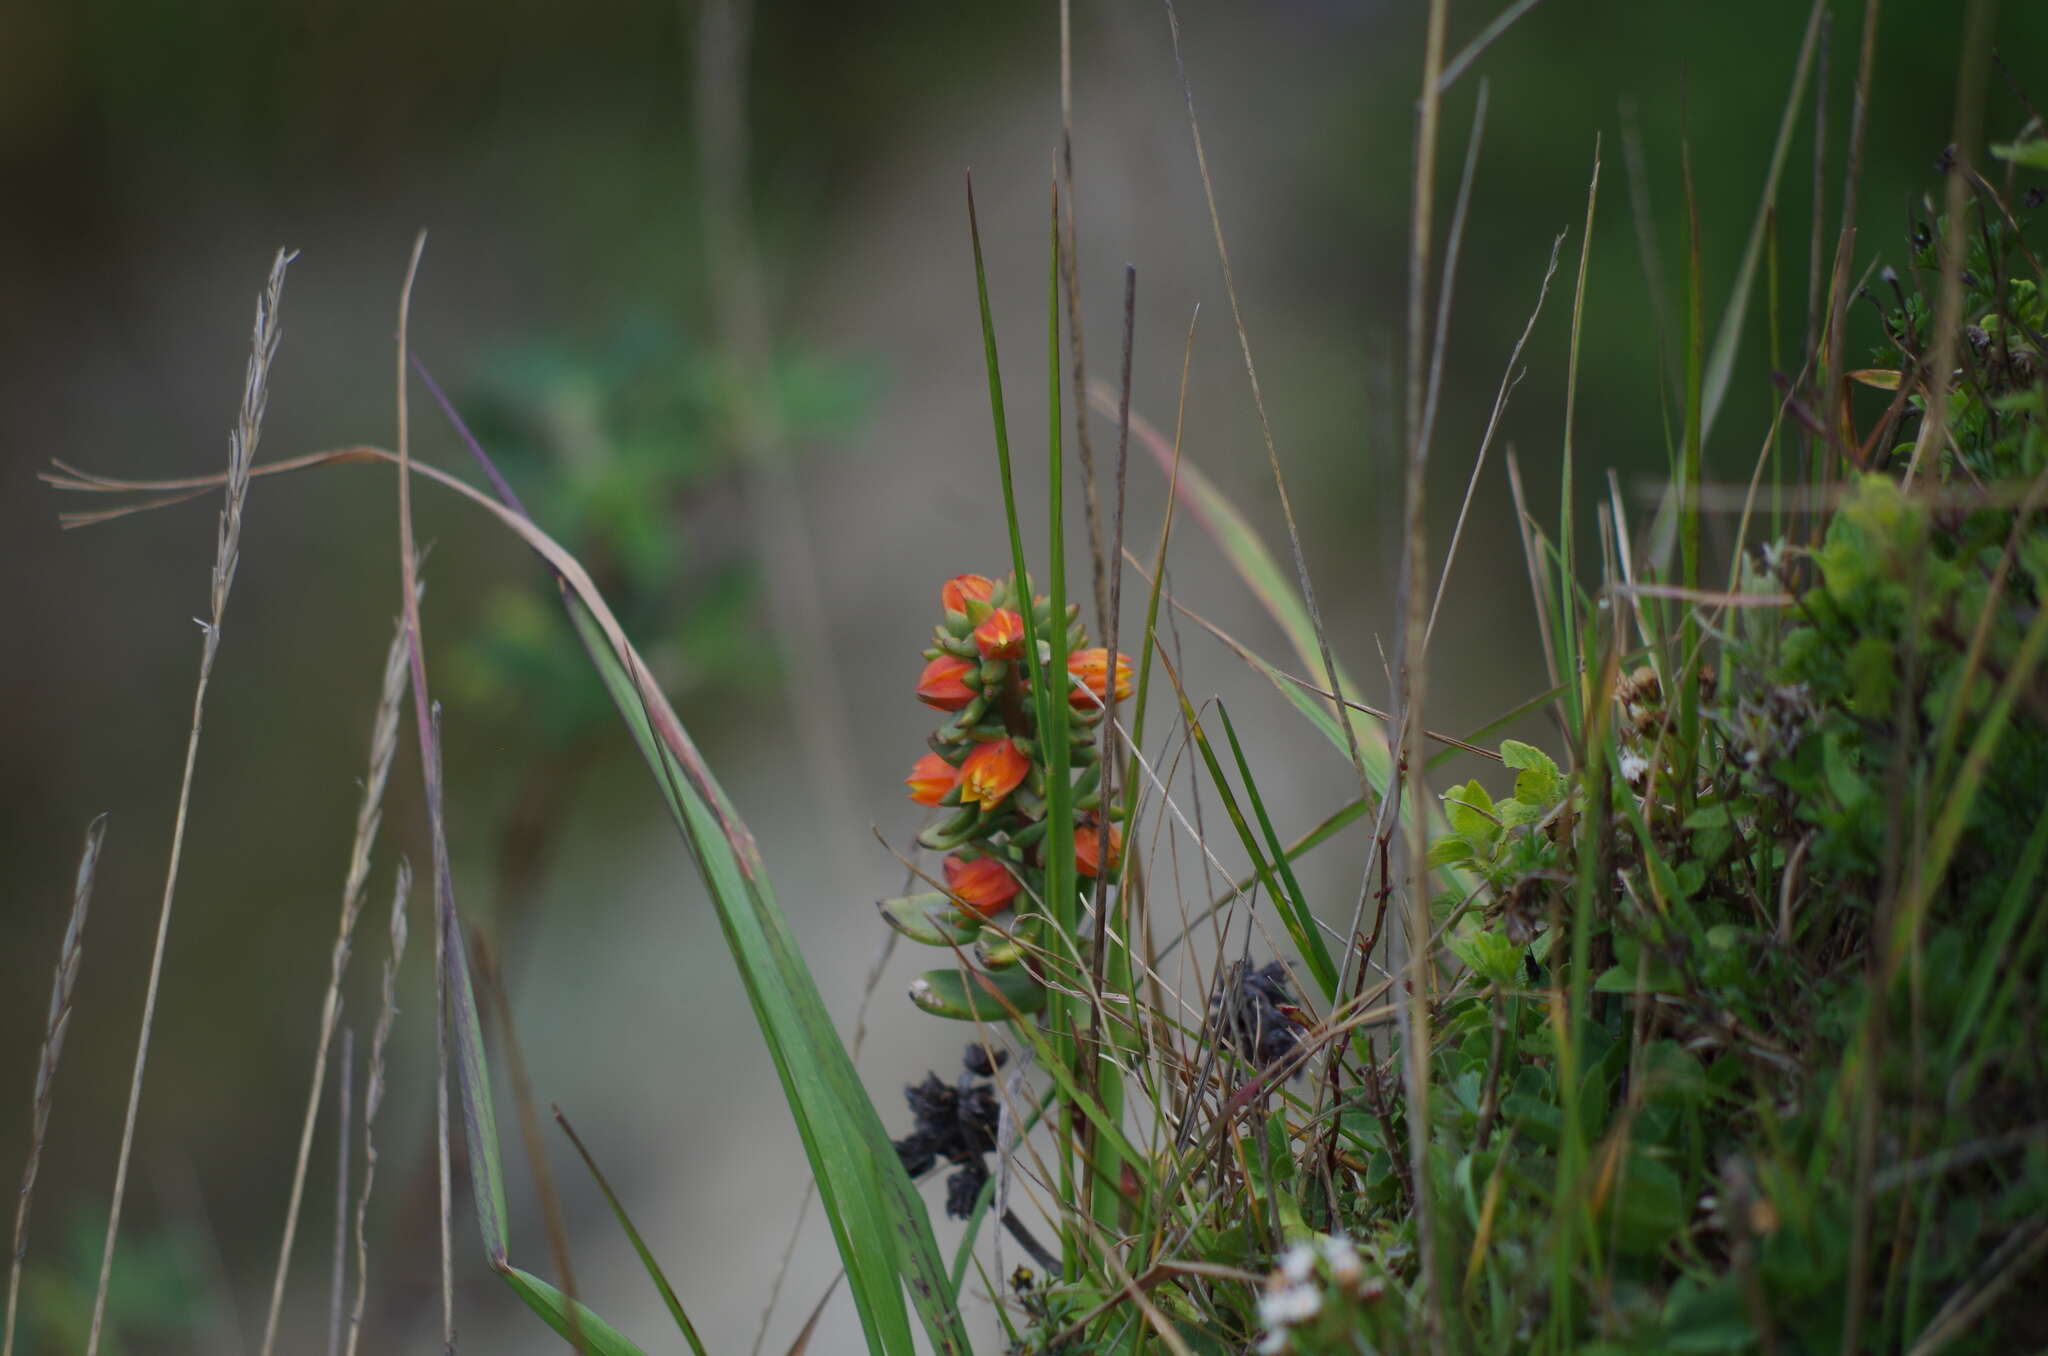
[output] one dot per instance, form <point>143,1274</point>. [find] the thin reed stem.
<point>344,1114</point>
<point>373,1096</point>
<point>369,815</point>
<point>69,954</point>
<point>227,555</point>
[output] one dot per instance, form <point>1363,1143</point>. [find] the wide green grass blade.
<point>653,1268</point>
<point>473,1078</point>
<point>599,1338</point>
<point>878,1221</point>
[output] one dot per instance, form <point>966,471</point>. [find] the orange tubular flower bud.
<point>1092,668</point>
<point>931,777</point>
<point>940,684</point>
<point>1001,636</point>
<point>962,588</point>
<point>991,772</point>
<point>1088,847</point>
<point>983,886</point>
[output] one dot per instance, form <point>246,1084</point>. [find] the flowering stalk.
<point>989,772</point>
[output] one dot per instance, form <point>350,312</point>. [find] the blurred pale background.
<point>155,155</point>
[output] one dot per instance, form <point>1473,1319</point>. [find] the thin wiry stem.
<point>1845,242</point>
<point>369,815</point>
<point>1949,306</point>
<point>1308,593</point>
<point>69,954</point>
<point>1508,380</point>
<point>373,1096</point>
<point>1070,277</point>
<point>783,538</point>
<point>1488,35</point>
<point>226,556</point>
<point>430,773</point>
<point>1412,674</point>
<point>344,1107</point>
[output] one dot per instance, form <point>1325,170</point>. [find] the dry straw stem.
<point>344,1112</point>
<point>1244,343</point>
<point>430,774</point>
<point>69,954</point>
<point>369,814</point>
<point>227,555</point>
<point>1949,306</point>
<point>373,1096</point>
<point>782,537</point>
<point>1413,673</point>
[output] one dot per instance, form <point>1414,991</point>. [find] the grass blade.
<point>572,1320</point>
<point>1728,338</point>
<point>654,1272</point>
<point>879,1222</point>
<point>1316,953</point>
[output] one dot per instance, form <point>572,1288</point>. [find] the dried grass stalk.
<point>226,557</point>
<point>68,957</point>
<point>369,814</point>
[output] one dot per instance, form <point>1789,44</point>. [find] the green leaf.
<point>1444,851</point>
<point>1470,811</point>
<point>966,996</point>
<point>1648,1205</point>
<point>2026,154</point>
<point>1490,955</point>
<point>930,918</point>
<point>1537,779</point>
<point>599,1337</point>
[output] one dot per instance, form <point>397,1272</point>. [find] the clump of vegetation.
<point>1708,1020</point>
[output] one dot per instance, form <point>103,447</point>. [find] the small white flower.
<point>1345,1267</point>
<point>1297,1264</point>
<point>1285,1308</point>
<point>1273,1343</point>
<point>1633,766</point>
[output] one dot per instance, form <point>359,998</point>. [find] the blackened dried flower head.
<point>982,1062</point>
<point>963,1188</point>
<point>1256,1013</point>
<point>955,1123</point>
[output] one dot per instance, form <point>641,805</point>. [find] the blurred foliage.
<point>623,454</point>
<point>157,1294</point>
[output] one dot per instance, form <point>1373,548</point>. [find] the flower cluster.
<point>1315,1297</point>
<point>987,765</point>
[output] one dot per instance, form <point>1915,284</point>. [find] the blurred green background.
<point>570,302</point>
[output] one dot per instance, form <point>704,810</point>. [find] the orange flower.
<point>931,777</point>
<point>1088,847</point>
<point>940,684</point>
<point>1001,636</point>
<point>991,772</point>
<point>962,588</point>
<point>1092,668</point>
<point>983,886</point>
